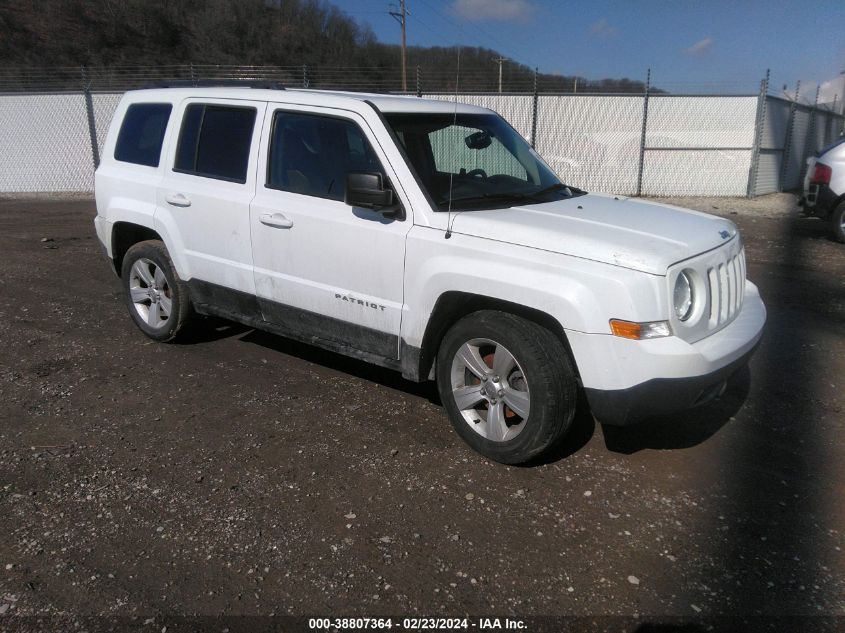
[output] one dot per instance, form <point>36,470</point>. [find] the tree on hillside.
<point>51,33</point>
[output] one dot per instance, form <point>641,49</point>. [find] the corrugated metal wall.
<point>810,131</point>
<point>694,145</point>
<point>772,143</point>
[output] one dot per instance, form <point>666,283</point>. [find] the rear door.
<point>203,200</point>
<point>325,270</point>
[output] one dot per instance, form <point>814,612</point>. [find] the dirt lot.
<point>240,473</point>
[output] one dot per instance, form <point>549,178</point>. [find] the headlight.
<point>683,296</point>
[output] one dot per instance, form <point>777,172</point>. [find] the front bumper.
<point>623,407</point>
<point>626,381</point>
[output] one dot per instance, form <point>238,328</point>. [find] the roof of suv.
<point>330,98</point>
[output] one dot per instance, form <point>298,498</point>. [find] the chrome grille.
<point>726,285</point>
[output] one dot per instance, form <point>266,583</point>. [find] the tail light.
<point>821,174</point>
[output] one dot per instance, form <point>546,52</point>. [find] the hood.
<point>626,232</point>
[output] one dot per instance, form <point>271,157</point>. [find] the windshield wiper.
<point>555,187</point>
<point>488,196</point>
<point>571,191</point>
<point>517,195</point>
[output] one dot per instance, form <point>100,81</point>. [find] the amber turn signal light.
<point>639,331</point>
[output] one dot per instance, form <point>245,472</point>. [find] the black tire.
<point>837,220</point>
<point>547,371</point>
<point>174,290</point>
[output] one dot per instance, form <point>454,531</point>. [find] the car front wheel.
<point>507,385</point>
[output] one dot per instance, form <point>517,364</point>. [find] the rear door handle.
<point>177,200</point>
<point>275,219</point>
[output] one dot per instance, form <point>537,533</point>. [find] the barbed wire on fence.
<point>362,78</point>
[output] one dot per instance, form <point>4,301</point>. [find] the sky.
<point>717,45</point>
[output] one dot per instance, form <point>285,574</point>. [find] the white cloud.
<point>494,10</point>
<point>828,90</point>
<point>832,88</point>
<point>701,47</point>
<point>603,29</point>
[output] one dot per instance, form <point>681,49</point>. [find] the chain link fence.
<point>53,126</point>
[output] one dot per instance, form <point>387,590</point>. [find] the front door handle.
<point>177,200</point>
<point>275,219</point>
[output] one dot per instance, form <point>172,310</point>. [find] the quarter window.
<point>142,133</point>
<point>312,154</point>
<point>215,141</point>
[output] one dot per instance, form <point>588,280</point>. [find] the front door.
<point>325,271</point>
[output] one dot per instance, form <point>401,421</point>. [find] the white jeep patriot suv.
<point>424,236</point>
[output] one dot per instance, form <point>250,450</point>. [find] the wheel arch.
<point>452,306</point>
<point>124,236</point>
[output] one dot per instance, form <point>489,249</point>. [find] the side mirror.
<point>366,190</point>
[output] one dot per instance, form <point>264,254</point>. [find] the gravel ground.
<point>240,473</point>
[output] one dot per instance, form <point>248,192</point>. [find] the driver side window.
<point>311,154</point>
<point>452,156</point>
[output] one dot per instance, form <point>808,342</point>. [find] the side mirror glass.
<point>366,190</point>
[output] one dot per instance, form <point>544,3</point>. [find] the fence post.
<point>842,132</point>
<point>643,134</point>
<point>305,80</point>
<point>92,122</point>
<point>419,82</point>
<point>811,133</point>
<point>788,141</point>
<point>759,123</point>
<point>193,75</point>
<point>534,110</point>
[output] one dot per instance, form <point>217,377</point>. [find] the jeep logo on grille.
<point>725,235</point>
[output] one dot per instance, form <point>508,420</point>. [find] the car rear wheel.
<point>157,299</point>
<point>507,385</point>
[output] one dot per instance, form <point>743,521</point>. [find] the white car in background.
<point>427,237</point>
<point>824,187</point>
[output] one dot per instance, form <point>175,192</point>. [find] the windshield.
<point>479,157</point>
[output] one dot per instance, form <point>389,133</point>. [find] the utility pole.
<point>400,16</point>
<point>500,60</point>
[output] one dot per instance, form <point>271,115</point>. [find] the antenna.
<point>400,14</point>
<point>454,122</point>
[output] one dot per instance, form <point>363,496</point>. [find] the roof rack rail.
<point>258,84</point>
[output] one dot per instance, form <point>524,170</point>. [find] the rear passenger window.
<point>142,133</point>
<point>214,141</point>
<point>312,154</point>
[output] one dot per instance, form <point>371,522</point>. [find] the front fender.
<point>580,294</point>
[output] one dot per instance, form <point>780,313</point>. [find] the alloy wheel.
<point>150,293</point>
<point>490,389</point>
